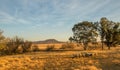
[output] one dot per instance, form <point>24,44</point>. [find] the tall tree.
<point>103,29</point>
<point>109,32</point>
<point>84,32</point>
<point>116,34</point>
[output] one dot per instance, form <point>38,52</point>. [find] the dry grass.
<point>103,60</point>
<point>43,46</point>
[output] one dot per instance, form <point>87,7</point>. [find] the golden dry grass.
<point>43,46</point>
<point>61,60</point>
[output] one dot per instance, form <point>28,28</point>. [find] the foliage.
<point>84,32</point>
<point>13,44</point>
<point>3,42</point>
<point>26,46</point>
<point>35,48</point>
<point>50,47</point>
<point>110,32</point>
<point>67,46</point>
<point>2,38</point>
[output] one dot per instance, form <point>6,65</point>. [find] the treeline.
<point>86,32</point>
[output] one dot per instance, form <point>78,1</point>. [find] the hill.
<point>48,41</point>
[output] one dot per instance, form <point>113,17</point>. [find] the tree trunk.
<point>102,44</point>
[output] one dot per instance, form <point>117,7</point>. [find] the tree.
<point>84,32</point>
<point>113,35</point>
<point>110,31</point>
<point>2,38</point>
<point>70,39</point>
<point>103,29</point>
<point>116,34</point>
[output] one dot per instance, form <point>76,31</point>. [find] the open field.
<point>62,60</point>
<point>43,46</point>
<point>59,45</point>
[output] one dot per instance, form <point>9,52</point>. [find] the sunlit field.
<point>59,35</point>
<point>44,46</point>
<point>63,60</point>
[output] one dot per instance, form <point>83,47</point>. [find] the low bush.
<point>67,46</point>
<point>17,45</point>
<point>13,44</point>
<point>26,46</point>
<point>35,48</point>
<point>50,47</point>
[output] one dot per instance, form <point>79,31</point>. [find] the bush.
<point>2,42</point>
<point>17,45</point>
<point>2,48</point>
<point>35,48</point>
<point>26,46</point>
<point>50,47</point>
<point>67,46</point>
<point>14,44</point>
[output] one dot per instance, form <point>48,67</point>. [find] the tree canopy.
<point>84,32</point>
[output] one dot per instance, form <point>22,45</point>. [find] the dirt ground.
<point>62,60</point>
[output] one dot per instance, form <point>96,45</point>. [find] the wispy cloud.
<point>6,18</point>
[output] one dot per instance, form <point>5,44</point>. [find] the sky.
<point>52,19</point>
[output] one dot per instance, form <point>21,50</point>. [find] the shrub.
<point>67,46</point>
<point>26,46</point>
<point>2,42</point>
<point>50,47</point>
<point>35,48</point>
<point>13,44</point>
<point>2,48</point>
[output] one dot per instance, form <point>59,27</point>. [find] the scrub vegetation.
<point>83,51</point>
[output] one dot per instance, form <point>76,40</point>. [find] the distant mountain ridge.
<point>48,41</point>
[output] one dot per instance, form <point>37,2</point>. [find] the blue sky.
<point>45,19</point>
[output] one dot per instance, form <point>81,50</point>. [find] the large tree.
<point>84,32</point>
<point>110,32</point>
<point>103,29</point>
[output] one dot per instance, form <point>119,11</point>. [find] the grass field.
<point>58,45</point>
<point>62,60</point>
<point>44,46</point>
